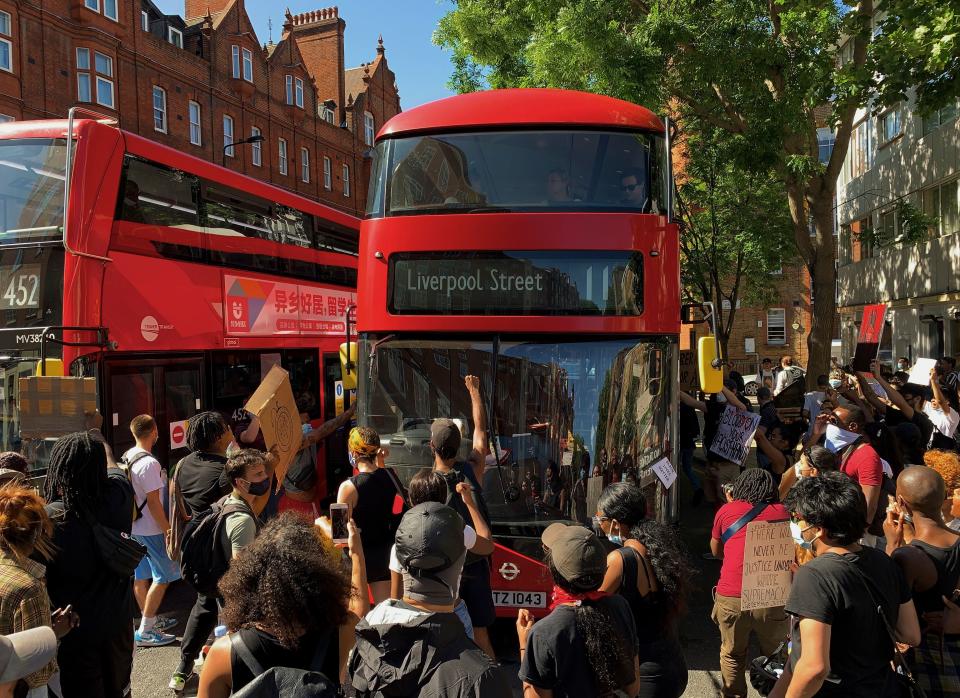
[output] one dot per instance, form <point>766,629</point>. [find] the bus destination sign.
<point>517,283</point>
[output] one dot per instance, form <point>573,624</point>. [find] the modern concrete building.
<point>898,156</point>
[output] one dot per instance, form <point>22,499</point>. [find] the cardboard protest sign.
<point>920,372</point>
<point>768,552</point>
<point>868,341</point>
<point>55,405</point>
<point>734,434</point>
<point>274,406</point>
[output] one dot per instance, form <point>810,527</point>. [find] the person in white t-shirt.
<point>939,410</point>
<point>813,400</point>
<point>150,526</point>
<point>430,486</point>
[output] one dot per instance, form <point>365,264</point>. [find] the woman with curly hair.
<point>286,604</point>
<point>947,463</point>
<point>651,571</point>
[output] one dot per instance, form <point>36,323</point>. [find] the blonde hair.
<point>947,464</point>
<point>25,526</point>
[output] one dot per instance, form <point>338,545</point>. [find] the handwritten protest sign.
<point>734,434</point>
<point>274,406</point>
<point>664,470</point>
<point>768,552</point>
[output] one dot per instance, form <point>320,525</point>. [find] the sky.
<point>422,69</point>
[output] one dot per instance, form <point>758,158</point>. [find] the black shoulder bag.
<point>904,677</point>
<point>743,521</point>
<point>118,551</point>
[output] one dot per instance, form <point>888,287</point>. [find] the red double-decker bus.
<point>174,281</point>
<point>525,236</point>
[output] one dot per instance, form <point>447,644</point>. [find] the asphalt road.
<point>152,667</point>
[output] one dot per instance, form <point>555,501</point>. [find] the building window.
<point>890,126</point>
<point>159,109</point>
<point>289,89</point>
<point>109,7</point>
<point>95,85</point>
<point>256,147</point>
<point>938,118</point>
<point>327,174</point>
<point>825,140</point>
<point>369,132</point>
<point>776,326</point>
<point>144,20</point>
<point>247,65</point>
<point>6,119</point>
<point>860,157</point>
<point>844,251</point>
<point>326,113</point>
<point>228,135</point>
<point>175,36</point>
<point>346,180</point>
<point>236,62</point>
<point>941,204</point>
<point>298,92</point>
<point>6,44</point>
<point>194,115</point>
<point>283,156</point>
<point>304,164</point>
<point>887,232</point>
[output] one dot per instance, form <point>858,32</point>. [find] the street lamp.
<point>252,139</point>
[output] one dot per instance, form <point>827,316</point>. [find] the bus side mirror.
<point>692,313</point>
<point>711,376</point>
<point>348,365</point>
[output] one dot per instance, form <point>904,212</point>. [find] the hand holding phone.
<point>338,520</point>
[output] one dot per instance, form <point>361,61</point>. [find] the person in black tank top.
<point>286,604</point>
<point>649,571</point>
<point>931,565</point>
<point>370,495</point>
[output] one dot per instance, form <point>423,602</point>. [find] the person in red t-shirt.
<point>859,460</point>
<point>754,486</point>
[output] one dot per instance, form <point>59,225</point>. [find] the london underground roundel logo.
<point>150,328</point>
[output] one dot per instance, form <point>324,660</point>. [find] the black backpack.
<point>203,560</point>
<point>128,472</point>
<point>283,682</point>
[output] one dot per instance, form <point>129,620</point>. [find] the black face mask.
<point>258,488</point>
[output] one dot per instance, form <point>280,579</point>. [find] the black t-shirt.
<point>893,417</point>
<point>827,589</point>
<point>689,426</point>
<point>556,656</point>
<point>76,575</point>
<point>268,651</point>
<point>203,479</point>
<point>768,416</point>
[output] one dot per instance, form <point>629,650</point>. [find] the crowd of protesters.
<point>867,474</point>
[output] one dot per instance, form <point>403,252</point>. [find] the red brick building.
<point>204,80</point>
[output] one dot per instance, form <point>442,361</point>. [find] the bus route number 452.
<point>520,599</point>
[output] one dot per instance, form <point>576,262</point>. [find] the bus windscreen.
<point>31,189</point>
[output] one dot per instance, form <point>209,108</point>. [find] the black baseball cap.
<point>430,538</point>
<point>445,437</point>
<point>575,551</point>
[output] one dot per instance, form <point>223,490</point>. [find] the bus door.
<point>335,401</point>
<point>168,389</point>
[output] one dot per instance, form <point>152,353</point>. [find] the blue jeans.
<point>686,462</point>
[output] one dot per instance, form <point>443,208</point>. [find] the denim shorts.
<point>155,564</point>
<point>464,615</point>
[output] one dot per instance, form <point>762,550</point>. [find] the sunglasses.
<point>628,187</point>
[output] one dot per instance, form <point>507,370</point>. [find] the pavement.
<point>153,666</point>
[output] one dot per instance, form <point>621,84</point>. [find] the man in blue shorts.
<point>156,571</point>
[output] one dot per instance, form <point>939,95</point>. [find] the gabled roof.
<point>353,83</point>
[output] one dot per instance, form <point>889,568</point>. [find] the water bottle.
<point>218,632</point>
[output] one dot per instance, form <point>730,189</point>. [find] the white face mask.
<point>797,534</point>
<point>797,468</point>
<point>838,439</point>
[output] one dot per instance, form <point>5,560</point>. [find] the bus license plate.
<point>520,599</point>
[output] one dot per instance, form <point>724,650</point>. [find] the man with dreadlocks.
<point>754,498</point>
<point>95,659</point>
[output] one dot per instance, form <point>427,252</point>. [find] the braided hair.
<point>77,473</point>
<point>204,430</point>
<point>755,485</point>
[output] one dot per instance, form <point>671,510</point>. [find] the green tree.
<point>735,228</point>
<point>759,71</point>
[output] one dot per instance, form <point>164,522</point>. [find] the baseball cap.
<point>430,538</point>
<point>575,551</point>
<point>26,652</point>
<point>445,437</point>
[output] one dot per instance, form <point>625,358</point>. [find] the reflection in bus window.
<point>31,189</point>
<point>568,170</point>
<point>158,196</point>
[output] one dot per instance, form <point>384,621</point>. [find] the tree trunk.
<point>823,280</point>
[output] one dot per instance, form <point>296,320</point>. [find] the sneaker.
<point>153,638</point>
<point>178,681</point>
<point>164,624</point>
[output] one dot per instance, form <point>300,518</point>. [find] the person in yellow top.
<point>25,529</point>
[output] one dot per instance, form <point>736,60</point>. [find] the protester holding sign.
<point>754,499</point>
<point>720,469</point>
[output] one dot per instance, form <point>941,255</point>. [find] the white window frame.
<point>895,114</point>
<point>256,148</point>
<point>116,14</point>
<point>282,163</point>
<point>102,79</point>
<point>327,173</point>
<point>247,56</point>
<point>145,20</point>
<point>305,165</point>
<point>174,32</point>
<point>196,131</point>
<point>93,5</point>
<point>369,128</point>
<point>161,110</point>
<point>288,83</point>
<point>101,7</point>
<point>235,61</point>
<point>782,328</point>
<point>328,115</point>
<point>298,92</point>
<point>83,75</point>
<point>94,78</point>
<point>7,42</point>
<point>228,147</point>
<point>346,180</point>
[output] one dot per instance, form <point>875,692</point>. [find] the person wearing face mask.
<point>370,495</point>
<point>754,498</point>
<point>650,569</point>
<point>903,365</point>
<point>813,461</point>
<point>247,472</point>
<point>840,644</point>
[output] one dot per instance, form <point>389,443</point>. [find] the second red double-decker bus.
<point>525,236</point>
<point>190,280</point>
